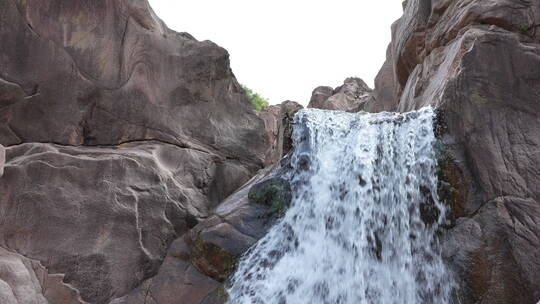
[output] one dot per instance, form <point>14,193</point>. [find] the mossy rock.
<point>212,260</point>
<point>217,296</point>
<point>275,193</point>
<point>451,188</point>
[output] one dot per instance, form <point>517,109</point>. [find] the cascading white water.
<point>361,226</point>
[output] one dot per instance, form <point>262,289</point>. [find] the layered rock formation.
<point>478,62</point>
<point>120,136</point>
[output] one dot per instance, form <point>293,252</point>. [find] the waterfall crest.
<point>362,223</point>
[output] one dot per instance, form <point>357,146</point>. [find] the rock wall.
<point>120,136</point>
<point>352,96</point>
<point>478,62</point>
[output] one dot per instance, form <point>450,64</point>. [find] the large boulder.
<point>478,62</point>
<point>352,96</point>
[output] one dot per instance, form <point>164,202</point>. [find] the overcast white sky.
<point>283,49</point>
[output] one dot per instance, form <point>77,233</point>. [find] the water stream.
<point>362,223</point>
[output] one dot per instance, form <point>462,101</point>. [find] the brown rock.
<point>494,252</point>
<point>18,281</point>
<point>26,281</point>
<point>477,62</point>
<point>2,159</point>
<point>385,94</point>
<point>109,72</point>
<point>319,96</point>
<point>121,135</point>
<point>350,97</point>
<point>198,263</point>
<point>278,125</point>
<point>105,217</point>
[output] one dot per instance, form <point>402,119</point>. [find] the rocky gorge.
<point>133,170</point>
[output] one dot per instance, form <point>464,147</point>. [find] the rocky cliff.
<point>126,142</point>
<point>478,63</point>
<point>120,136</point>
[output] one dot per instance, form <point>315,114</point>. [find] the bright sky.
<point>283,49</point>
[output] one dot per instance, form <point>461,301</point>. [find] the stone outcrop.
<point>478,62</point>
<point>26,281</point>
<point>198,264</point>
<point>352,96</point>
<point>121,135</point>
<point>278,126</point>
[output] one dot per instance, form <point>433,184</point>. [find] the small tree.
<point>257,101</point>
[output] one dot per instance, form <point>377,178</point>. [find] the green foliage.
<point>275,193</point>
<point>524,28</point>
<point>257,101</point>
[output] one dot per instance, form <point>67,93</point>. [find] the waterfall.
<point>363,220</point>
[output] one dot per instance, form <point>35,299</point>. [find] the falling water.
<point>362,224</point>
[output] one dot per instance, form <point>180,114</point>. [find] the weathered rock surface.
<point>352,96</point>
<point>278,126</point>
<point>197,264</point>
<point>2,159</point>
<point>478,62</point>
<point>105,217</point>
<point>26,281</point>
<point>120,135</point>
<point>109,72</point>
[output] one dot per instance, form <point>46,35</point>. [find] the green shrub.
<point>257,101</point>
<point>524,28</point>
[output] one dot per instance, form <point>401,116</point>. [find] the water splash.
<point>361,227</point>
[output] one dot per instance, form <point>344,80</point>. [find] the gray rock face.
<point>352,96</point>
<point>478,62</point>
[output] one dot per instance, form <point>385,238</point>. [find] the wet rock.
<point>275,193</point>
<point>212,260</point>
<point>494,252</point>
<point>218,296</point>
<point>352,96</point>
<point>477,61</point>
